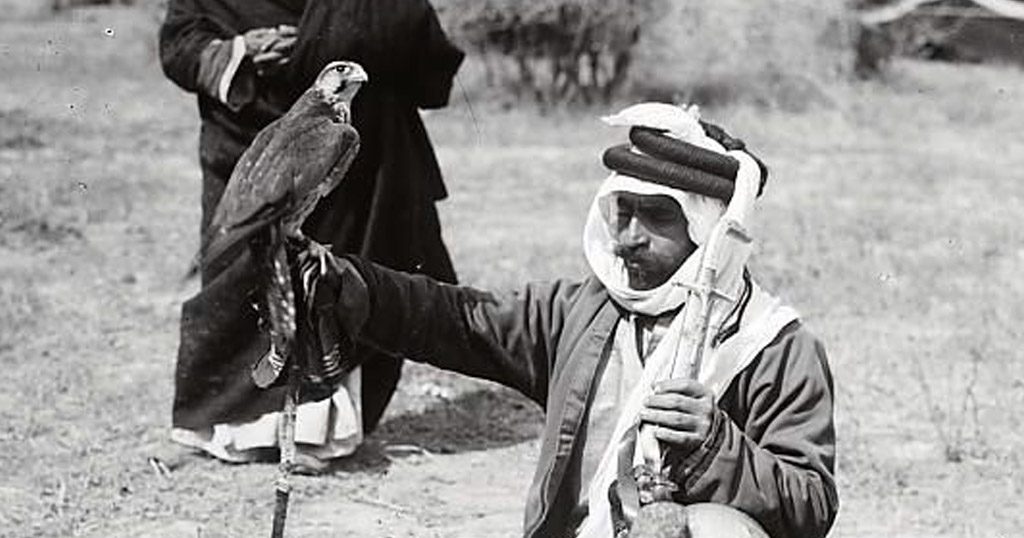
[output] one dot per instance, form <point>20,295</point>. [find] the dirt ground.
<point>890,223</point>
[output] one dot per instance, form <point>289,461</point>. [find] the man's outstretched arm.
<point>509,340</point>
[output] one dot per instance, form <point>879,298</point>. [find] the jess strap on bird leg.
<point>338,304</point>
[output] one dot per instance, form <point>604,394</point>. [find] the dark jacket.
<point>772,449</point>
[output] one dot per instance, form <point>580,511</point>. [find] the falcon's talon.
<point>322,254</point>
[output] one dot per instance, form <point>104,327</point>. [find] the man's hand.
<point>336,306</point>
<point>681,411</point>
<point>270,48</point>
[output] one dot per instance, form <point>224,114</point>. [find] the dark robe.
<point>383,210</point>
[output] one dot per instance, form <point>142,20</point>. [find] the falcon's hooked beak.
<point>338,84</point>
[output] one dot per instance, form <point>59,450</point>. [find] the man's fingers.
<point>678,402</point>
<point>670,419</point>
<point>682,385</point>
<point>287,30</point>
<point>274,55</point>
<point>268,58</point>
<point>259,33</point>
<point>284,45</point>
<point>257,39</point>
<point>678,438</point>
<point>261,40</point>
<point>278,44</point>
<point>286,42</point>
<point>283,50</point>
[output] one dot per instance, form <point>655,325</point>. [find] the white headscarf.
<point>702,212</point>
<point>710,221</point>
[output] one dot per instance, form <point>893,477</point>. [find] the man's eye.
<point>659,215</point>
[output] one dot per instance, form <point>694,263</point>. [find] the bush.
<point>553,51</point>
<point>773,52</point>
<point>780,53</point>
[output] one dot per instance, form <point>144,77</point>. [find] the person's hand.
<point>332,324</point>
<point>270,48</point>
<point>258,38</point>
<point>682,411</point>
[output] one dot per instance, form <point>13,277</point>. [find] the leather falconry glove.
<point>336,307</point>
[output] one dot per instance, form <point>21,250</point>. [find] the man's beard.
<point>644,270</point>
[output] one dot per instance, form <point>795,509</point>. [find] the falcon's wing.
<point>298,158</point>
<point>288,166</point>
<point>258,180</point>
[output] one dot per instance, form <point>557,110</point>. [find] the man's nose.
<point>633,234</point>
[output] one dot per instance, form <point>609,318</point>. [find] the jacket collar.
<point>573,385</point>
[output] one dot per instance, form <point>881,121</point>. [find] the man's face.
<point>650,236</point>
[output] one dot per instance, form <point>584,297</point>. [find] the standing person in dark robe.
<point>247,61</point>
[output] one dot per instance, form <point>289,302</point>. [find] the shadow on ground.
<point>478,420</point>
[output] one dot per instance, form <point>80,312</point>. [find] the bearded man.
<point>610,357</point>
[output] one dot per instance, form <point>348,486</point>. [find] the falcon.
<point>293,163</point>
<point>289,167</point>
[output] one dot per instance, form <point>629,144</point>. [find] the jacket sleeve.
<point>775,460</point>
<point>510,340</point>
<point>184,34</point>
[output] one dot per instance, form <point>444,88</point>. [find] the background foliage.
<point>553,51</point>
<point>774,52</point>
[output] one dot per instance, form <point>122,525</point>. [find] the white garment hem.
<point>324,429</point>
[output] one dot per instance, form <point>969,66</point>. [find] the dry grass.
<point>889,222</point>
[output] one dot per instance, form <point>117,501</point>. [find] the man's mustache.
<point>631,254</point>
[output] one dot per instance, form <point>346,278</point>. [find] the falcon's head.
<point>338,83</point>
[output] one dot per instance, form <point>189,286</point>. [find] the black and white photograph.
<point>503,268</point>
